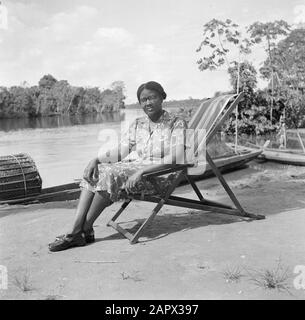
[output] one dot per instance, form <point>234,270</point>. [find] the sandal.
<point>68,241</point>
<point>89,236</point>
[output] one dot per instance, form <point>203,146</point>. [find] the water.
<point>60,146</point>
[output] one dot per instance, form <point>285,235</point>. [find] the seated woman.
<point>159,141</point>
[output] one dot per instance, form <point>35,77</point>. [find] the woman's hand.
<point>91,172</point>
<point>132,181</point>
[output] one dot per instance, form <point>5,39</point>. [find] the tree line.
<point>226,44</point>
<point>52,97</point>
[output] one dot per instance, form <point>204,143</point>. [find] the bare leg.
<point>99,203</point>
<point>83,206</point>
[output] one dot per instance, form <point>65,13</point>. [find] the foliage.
<point>285,59</point>
<point>59,97</point>
<point>294,108</point>
<point>47,82</point>
<point>254,116</point>
<point>218,39</point>
<point>247,78</point>
<point>268,34</point>
<point>289,67</point>
<point>289,59</point>
<point>268,31</point>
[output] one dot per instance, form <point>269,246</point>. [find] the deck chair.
<point>209,116</point>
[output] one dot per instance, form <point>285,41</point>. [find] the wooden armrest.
<point>178,167</point>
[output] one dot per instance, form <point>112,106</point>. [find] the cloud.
<point>81,46</point>
<point>118,35</point>
<point>74,26</point>
<point>299,14</point>
<point>75,46</point>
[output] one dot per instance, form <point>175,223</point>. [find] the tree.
<point>288,60</point>
<point>268,34</point>
<point>47,82</point>
<point>5,97</point>
<point>92,101</point>
<point>21,102</point>
<point>219,38</point>
<point>289,67</point>
<point>247,78</point>
<point>58,97</point>
<point>119,90</point>
<point>63,93</point>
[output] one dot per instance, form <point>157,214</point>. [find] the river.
<point>61,146</point>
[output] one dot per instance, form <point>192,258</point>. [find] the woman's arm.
<point>177,156</point>
<point>91,173</point>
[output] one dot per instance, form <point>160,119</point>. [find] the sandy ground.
<point>184,254</point>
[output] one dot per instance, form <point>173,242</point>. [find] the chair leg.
<point>225,185</point>
<point>155,211</point>
<point>158,207</point>
<point>204,200</point>
<point>118,213</point>
<point>194,186</point>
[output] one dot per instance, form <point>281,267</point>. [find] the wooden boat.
<point>71,191</point>
<point>63,192</point>
<point>225,164</point>
<point>290,157</point>
<point>287,156</point>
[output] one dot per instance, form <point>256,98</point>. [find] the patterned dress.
<point>148,143</point>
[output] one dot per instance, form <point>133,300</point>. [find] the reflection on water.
<point>59,121</point>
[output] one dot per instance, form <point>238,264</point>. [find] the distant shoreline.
<point>186,103</point>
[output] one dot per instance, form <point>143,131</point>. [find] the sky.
<point>93,43</point>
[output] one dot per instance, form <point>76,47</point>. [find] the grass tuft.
<point>232,274</point>
<point>23,282</point>
<point>273,279</point>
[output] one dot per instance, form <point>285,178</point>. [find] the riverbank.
<point>183,255</point>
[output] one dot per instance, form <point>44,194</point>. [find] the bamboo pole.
<point>236,111</point>
<point>272,94</point>
<point>301,141</point>
<point>285,133</point>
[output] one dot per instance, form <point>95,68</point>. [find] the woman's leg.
<point>100,201</point>
<point>83,206</point>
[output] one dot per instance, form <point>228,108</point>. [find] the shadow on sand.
<point>166,224</point>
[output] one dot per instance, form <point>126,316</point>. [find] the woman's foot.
<point>68,241</point>
<point>89,236</point>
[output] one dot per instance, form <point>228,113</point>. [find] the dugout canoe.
<point>289,157</point>
<point>71,191</point>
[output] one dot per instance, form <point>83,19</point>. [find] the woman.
<point>159,141</point>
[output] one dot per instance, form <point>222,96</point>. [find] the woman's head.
<point>150,96</point>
